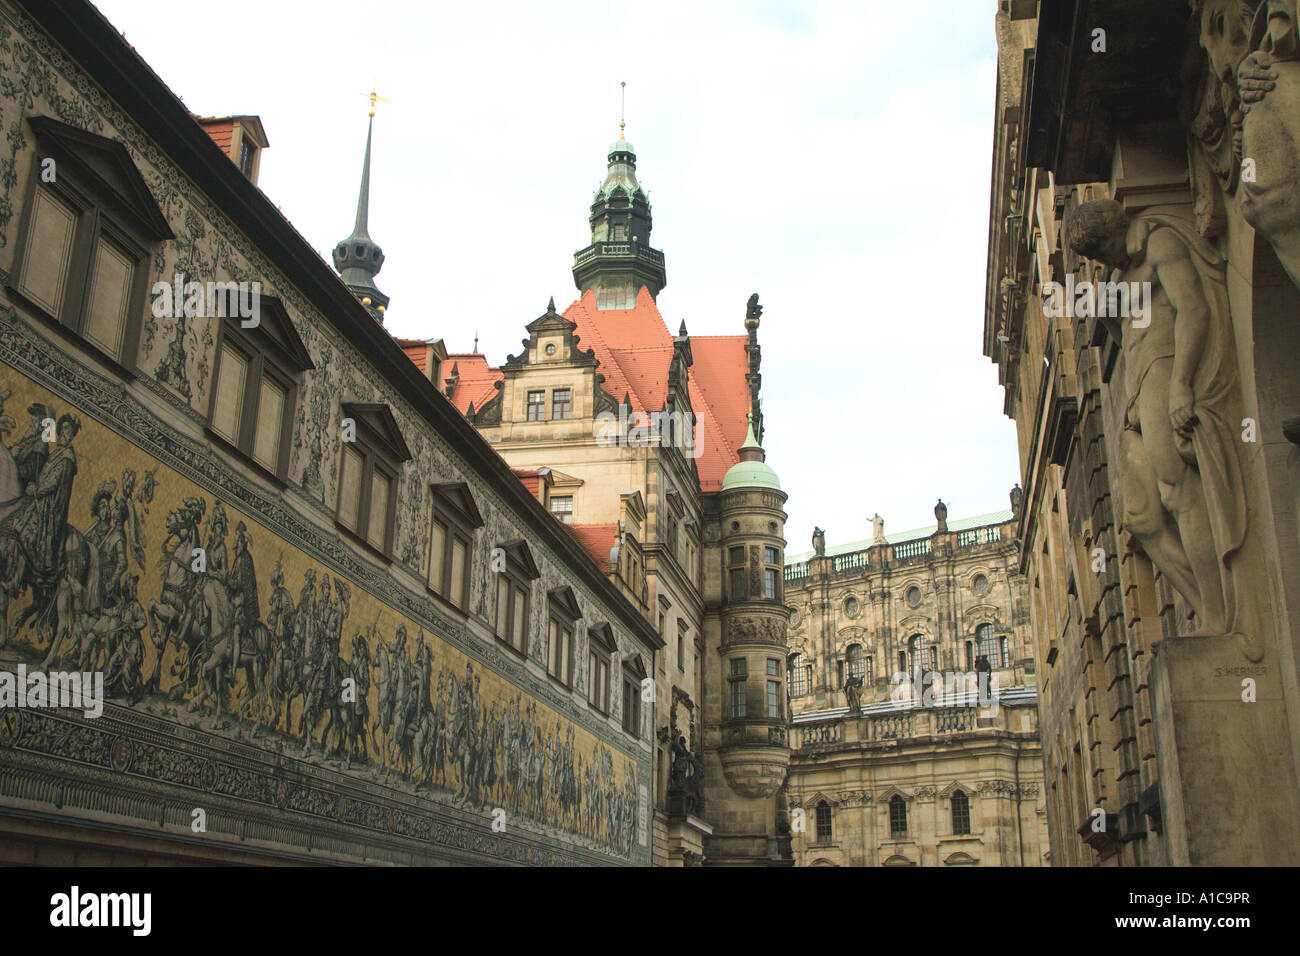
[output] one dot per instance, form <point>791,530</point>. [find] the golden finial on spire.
<point>375,98</point>
<point>622,94</point>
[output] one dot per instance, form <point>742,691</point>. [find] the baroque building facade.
<point>319,600</point>
<point>1141,308</point>
<point>900,756</point>
<point>645,447</point>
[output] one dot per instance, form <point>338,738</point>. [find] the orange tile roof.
<point>222,131</point>
<point>635,350</point>
<point>477,384</point>
<point>596,539</point>
<point>532,480</point>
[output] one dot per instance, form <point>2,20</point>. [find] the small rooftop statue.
<point>877,529</point>
<point>819,541</point>
<point>941,515</point>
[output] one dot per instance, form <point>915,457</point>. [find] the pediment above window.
<point>519,556</point>
<point>108,168</point>
<point>564,600</point>
<point>456,497</point>
<point>377,419</point>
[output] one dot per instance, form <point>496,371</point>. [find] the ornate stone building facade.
<point>900,758</point>
<point>644,445</point>
<point>1151,146</point>
<point>332,624</point>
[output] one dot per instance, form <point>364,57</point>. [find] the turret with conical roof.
<point>358,258</point>
<point>620,260</point>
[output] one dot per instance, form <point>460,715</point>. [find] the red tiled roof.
<point>596,539</point>
<point>635,350</point>
<point>222,132</point>
<point>416,350</point>
<point>477,384</point>
<point>532,480</point>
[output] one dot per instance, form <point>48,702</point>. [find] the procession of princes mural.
<point>133,572</point>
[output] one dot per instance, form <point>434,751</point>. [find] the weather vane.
<point>622,94</point>
<point>375,98</point>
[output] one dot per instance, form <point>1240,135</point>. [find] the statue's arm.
<point>1182,283</point>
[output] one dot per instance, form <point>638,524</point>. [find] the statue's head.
<point>1224,28</point>
<point>1098,230</point>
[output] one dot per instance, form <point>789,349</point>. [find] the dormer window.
<point>256,386</point>
<point>453,519</point>
<point>247,158</point>
<point>83,261</point>
<point>367,503</point>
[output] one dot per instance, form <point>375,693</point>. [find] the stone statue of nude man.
<point>1180,472</point>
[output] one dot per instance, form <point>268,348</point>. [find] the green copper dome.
<point>751,471</point>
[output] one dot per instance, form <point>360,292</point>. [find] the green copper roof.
<point>750,474</point>
<point>621,145</point>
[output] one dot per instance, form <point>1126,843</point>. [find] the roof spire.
<point>358,258</point>
<point>622,101</point>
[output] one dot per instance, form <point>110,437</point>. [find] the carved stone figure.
<point>853,692</point>
<point>941,515</point>
<point>1181,477</point>
<point>878,530</point>
<point>753,310</point>
<point>819,542</point>
<point>1269,86</point>
<point>1016,496</point>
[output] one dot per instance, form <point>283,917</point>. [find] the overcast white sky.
<point>833,157</point>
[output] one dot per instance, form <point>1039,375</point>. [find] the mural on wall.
<point>112,562</point>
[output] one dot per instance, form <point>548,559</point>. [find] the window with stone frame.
<point>799,675</point>
<point>853,655</point>
<point>368,471</point>
<point>537,405</point>
<point>824,830</point>
<point>562,619</point>
<point>255,386</point>
<point>960,812</point>
<point>991,647</point>
<point>897,817</point>
<point>601,652</point>
<point>89,228</point>
<point>634,673</point>
<point>562,508</point>
<point>773,574</point>
<point>773,699</point>
<point>561,403</point>
<point>736,573</point>
<point>739,687</point>
<point>453,520</point>
<point>513,586</point>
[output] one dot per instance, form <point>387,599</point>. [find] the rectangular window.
<point>598,692</point>
<point>459,555</point>
<point>773,668</point>
<point>502,620</point>
<point>110,297</point>
<point>270,422</point>
<point>561,403</point>
<point>681,645</point>
<point>47,259</point>
<point>437,553</point>
<point>631,705</point>
<point>537,406</point>
<point>560,651</point>
<point>519,613</point>
<point>562,507</point>
<point>738,698</point>
<point>228,406</point>
<point>771,555</point>
<point>770,577</point>
<point>350,487</point>
<point>823,823</point>
<point>377,527</point>
<point>773,699</point>
<point>736,562</point>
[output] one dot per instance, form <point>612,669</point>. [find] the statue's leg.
<point>1193,565</point>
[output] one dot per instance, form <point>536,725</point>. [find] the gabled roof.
<point>477,383</point>
<point>596,539</point>
<point>635,349</point>
<point>378,418</point>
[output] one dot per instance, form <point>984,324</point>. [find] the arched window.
<point>990,646</point>
<point>799,674</point>
<point>854,657</point>
<point>919,654</point>
<point>960,812</point>
<point>897,816</point>
<point>823,822</point>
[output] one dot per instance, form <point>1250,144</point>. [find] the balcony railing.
<point>911,550</point>
<point>889,727</point>
<point>796,572</point>
<point>976,536</point>
<point>584,256</point>
<point>821,734</point>
<point>842,563</point>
